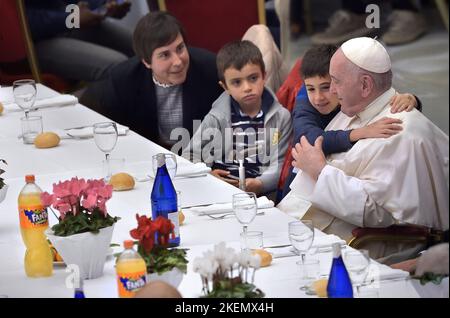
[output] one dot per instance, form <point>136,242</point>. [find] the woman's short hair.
<point>154,30</point>
<point>237,54</point>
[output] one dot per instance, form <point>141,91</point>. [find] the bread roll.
<point>121,181</point>
<point>181,217</point>
<point>320,287</point>
<point>266,257</point>
<point>46,140</point>
<point>1,108</point>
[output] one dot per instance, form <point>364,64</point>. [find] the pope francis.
<point>379,182</point>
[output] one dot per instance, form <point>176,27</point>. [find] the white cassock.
<point>379,181</point>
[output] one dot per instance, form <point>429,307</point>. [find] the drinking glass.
<point>24,92</point>
<point>368,293</point>
<point>31,127</point>
<point>105,136</point>
<point>252,240</point>
<point>244,208</point>
<point>301,235</point>
<point>357,263</point>
<point>171,164</point>
<point>309,273</point>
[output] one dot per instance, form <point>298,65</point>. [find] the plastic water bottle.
<point>33,222</point>
<point>339,283</point>
<point>164,199</point>
<point>131,271</point>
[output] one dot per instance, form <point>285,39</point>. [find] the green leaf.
<point>431,277</point>
<point>162,259</point>
<point>232,288</point>
<point>82,223</point>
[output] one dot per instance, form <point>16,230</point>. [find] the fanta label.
<point>129,283</point>
<point>32,217</point>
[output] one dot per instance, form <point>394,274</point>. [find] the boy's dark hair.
<point>237,54</point>
<point>154,30</point>
<point>316,61</point>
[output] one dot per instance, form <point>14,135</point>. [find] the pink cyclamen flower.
<point>47,199</point>
<point>63,208</point>
<point>77,186</point>
<point>90,202</point>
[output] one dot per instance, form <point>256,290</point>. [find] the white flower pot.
<point>86,250</point>
<point>172,277</point>
<point>3,192</point>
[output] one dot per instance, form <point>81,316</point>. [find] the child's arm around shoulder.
<point>404,102</point>
<point>382,128</point>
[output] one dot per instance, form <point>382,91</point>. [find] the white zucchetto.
<point>368,54</point>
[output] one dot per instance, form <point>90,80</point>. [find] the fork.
<point>78,137</point>
<point>222,216</point>
<point>79,127</point>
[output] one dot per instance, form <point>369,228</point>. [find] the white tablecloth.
<point>82,158</point>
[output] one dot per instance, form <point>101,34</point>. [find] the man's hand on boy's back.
<point>224,175</point>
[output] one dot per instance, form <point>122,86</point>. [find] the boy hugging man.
<point>316,106</point>
<point>246,123</point>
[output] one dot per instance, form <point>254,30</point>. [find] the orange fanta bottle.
<point>131,271</point>
<point>33,222</point>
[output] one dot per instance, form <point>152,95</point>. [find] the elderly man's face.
<point>345,85</point>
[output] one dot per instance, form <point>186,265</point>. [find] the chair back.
<point>397,233</point>
<point>16,45</point>
<point>12,45</point>
<point>18,59</point>
<point>287,95</point>
<point>210,24</point>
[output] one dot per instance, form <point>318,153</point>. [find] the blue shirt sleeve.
<point>311,124</point>
<point>302,93</point>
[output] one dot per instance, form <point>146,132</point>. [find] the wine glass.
<point>24,92</point>
<point>244,208</point>
<point>357,263</point>
<point>171,164</point>
<point>105,136</point>
<point>301,235</point>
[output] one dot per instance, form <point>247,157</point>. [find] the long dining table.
<point>81,158</point>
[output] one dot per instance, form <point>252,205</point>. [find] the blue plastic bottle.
<point>339,283</point>
<point>164,198</point>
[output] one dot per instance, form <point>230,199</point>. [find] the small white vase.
<point>3,192</point>
<point>172,277</point>
<point>88,251</point>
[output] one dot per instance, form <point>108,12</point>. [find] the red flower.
<point>144,233</point>
<point>165,228</point>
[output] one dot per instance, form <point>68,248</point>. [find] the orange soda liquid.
<point>131,276</point>
<point>33,222</point>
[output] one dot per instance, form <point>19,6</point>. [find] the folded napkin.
<point>320,244</point>
<point>381,272</point>
<point>56,101</point>
<point>86,132</point>
<point>189,169</point>
<point>262,202</point>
